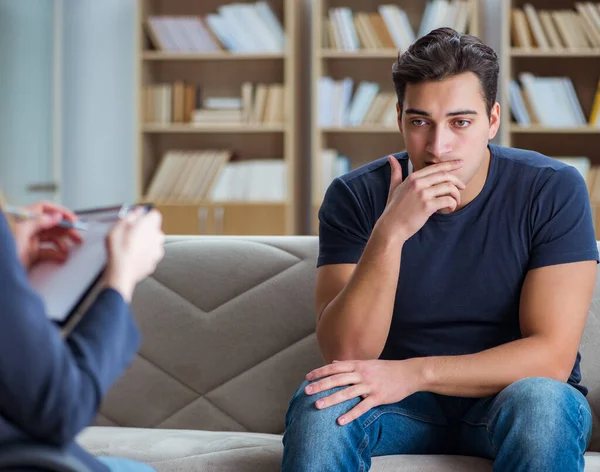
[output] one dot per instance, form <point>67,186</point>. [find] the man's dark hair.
<point>444,53</point>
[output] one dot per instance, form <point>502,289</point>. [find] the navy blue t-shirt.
<point>461,274</point>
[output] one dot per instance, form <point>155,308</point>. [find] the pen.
<point>23,214</point>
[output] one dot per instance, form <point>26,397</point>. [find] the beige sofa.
<point>228,327</point>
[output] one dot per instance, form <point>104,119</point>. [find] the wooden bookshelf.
<point>371,62</point>
<point>571,51</point>
<point>217,74</point>
<point>209,56</point>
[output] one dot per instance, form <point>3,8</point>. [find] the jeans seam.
<point>489,430</point>
<point>399,411</point>
<point>582,431</point>
<point>580,423</point>
<point>361,448</point>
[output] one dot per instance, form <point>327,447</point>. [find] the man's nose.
<point>440,141</point>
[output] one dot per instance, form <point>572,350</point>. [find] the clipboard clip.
<point>127,208</point>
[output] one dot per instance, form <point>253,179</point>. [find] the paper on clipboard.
<point>63,286</point>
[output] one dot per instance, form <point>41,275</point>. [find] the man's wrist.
<point>386,234</point>
<point>120,283</point>
<point>425,373</point>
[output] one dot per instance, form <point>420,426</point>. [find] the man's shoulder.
<point>533,173</point>
<point>376,171</point>
<point>361,193</point>
<point>526,160</point>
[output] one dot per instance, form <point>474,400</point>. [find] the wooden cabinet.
<point>224,219</point>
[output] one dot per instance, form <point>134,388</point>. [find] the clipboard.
<point>68,288</point>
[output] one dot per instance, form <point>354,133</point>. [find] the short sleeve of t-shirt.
<point>343,226</point>
<point>562,225</point>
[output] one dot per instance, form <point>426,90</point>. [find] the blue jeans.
<point>116,464</point>
<point>534,424</point>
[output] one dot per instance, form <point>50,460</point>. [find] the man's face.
<point>446,120</point>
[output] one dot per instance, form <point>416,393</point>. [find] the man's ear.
<point>494,120</point>
<point>399,117</point>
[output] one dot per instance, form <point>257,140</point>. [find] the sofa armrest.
<point>41,457</point>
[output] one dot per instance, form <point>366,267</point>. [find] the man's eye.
<point>462,123</point>
<point>418,122</point>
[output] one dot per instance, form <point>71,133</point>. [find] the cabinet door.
<point>244,219</point>
<point>186,219</point>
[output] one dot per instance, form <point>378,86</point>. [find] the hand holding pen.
<point>44,231</point>
<point>25,213</point>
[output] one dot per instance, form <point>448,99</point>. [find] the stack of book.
<point>236,27</point>
<point>564,28</point>
<point>342,106</point>
<point>183,103</point>
<point>389,26</point>
<point>211,175</point>
<point>546,101</point>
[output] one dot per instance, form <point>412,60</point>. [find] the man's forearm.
<point>356,323</point>
<point>488,372</point>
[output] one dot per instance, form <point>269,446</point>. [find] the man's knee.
<point>303,408</point>
<point>543,412</point>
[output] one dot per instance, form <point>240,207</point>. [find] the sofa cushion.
<point>187,450</point>
<point>228,335</point>
<point>590,361</point>
<point>194,451</point>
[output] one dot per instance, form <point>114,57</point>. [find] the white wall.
<point>25,97</point>
<point>98,101</point>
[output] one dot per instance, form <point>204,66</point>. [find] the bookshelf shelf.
<point>514,128</point>
<point>387,53</point>
<point>550,80</point>
<point>554,52</point>
<point>209,56</point>
<point>361,129</point>
<point>209,203</point>
<point>217,146</point>
<point>354,45</point>
<point>212,128</point>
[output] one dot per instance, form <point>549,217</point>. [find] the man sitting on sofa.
<point>450,300</point>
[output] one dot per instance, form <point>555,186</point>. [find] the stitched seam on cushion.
<point>269,245</point>
<point>235,376</point>
<point>200,395</point>
<point>399,411</point>
<point>229,300</point>
<point>159,424</point>
<point>101,413</point>
<point>202,454</point>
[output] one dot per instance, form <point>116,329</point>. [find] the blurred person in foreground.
<point>51,387</point>
<point>450,300</point>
